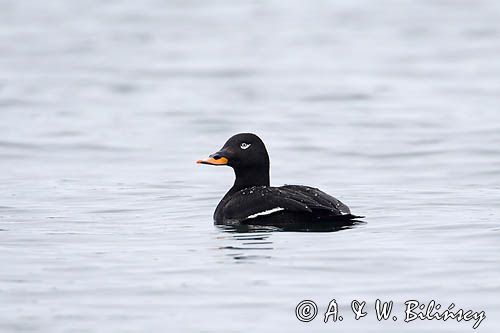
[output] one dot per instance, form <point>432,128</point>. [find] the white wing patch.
<point>266,212</point>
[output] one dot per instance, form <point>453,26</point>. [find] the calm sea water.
<point>106,220</point>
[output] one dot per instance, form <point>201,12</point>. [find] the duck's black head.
<point>247,155</point>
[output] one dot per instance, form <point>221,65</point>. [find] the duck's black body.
<point>252,201</point>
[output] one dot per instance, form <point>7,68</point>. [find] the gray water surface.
<point>106,220</point>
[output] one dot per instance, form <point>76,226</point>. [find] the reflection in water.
<point>318,227</point>
<point>249,242</point>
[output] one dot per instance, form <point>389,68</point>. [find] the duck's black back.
<point>285,206</point>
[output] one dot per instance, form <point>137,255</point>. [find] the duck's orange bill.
<point>213,161</point>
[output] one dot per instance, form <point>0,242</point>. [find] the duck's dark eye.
<point>244,145</point>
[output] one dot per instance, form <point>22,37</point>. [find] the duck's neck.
<point>251,177</point>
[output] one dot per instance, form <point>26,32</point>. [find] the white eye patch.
<point>245,145</point>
